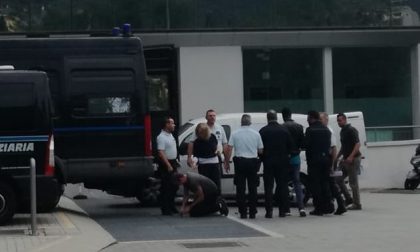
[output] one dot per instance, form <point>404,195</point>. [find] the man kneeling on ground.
<point>204,194</point>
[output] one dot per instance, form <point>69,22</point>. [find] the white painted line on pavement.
<point>64,220</point>
<point>51,244</point>
<point>256,227</point>
<point>192,240</point>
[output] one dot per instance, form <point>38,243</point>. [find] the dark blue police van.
<point>102,126</point>
<point>26,132</point>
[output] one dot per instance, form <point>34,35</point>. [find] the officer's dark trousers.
<point>319,176</point>
<point>246,172</point>
<point>336,193</point>
<point>276,170</point>
<point>206,207</point>
<point>168,188</point>
<point>211,171</point>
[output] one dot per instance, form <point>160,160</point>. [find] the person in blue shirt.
<point>247,145</point>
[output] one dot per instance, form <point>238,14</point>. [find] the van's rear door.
<point>105,113</point>
<point>26,125</point>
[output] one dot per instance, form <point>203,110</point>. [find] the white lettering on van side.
<point>16,147</point>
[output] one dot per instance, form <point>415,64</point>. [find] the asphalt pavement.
<point>388,222</point>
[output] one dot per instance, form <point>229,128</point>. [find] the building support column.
<point>415,88</point>
<point>328,80</point>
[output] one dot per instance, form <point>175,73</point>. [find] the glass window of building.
<point>275,78</point>
<point>376,81</point>
<point>90,15</point>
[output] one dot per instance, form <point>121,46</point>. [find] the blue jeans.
<point>295,172</point>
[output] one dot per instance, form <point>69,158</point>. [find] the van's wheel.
<point>407,184</point>
<point>150,193</point>
<point>7,203</point>
<point>45,206</point>
<point>411,184</point>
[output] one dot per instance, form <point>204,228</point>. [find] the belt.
<point>246,157</point>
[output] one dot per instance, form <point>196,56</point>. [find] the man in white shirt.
<point>167,153</point>
<point>335,189</point>
<point>247,144</point>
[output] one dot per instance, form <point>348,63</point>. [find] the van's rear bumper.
<point>47,188</point>
<point>121,168</point>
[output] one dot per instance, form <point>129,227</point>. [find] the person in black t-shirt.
<point>350,150</point>
<point>206,199</point>
<point>205,150</point>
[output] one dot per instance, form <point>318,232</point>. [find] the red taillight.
<point>49,168</point>
<point>148,135</point>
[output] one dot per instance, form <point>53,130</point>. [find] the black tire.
<point>7,202</point>
<point>46,206</point>
<point>407,184</point>
<point>149,194</point>
<point>411,184</point>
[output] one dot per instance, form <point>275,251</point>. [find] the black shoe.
<point>282,215</point>
<point>349,201</point>
<point>244,216</point>
<point>269,215</point>
<point>316,213</point>
<point>329,209</point>
<point>223,208</point>
<point>354,207</point>
<point>302,212</point>
<point>340,211</point>
<point>167,212</point>
<point>174,210</point>
<point>252,216</point>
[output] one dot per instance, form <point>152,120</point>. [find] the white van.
<point>231,122</point>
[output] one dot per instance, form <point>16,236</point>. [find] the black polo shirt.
<point>349,137</point>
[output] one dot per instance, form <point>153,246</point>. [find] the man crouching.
<point>204,194</point>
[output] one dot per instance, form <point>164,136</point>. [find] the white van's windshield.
<point>184,128</point>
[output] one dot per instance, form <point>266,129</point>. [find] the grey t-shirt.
<point>194,180</point>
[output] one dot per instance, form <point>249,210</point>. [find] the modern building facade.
<point>371,70</point>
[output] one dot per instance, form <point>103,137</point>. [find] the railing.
<point>392,133</point>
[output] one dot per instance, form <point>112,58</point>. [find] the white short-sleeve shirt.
<point>166,143</point>
<point>333,138</point>
<point>246,142</point>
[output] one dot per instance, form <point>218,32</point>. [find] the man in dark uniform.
<point>278,145</point>
<point>318,143</point>
<point>205,195</point>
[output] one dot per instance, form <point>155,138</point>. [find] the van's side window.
<point>227,131</point>
<point>101,106</point>
<point>183,147</point>
<point>109,105</point>
<point>18,112</point>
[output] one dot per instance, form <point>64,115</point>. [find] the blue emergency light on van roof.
<point>116,31</point>
<point>126,30</point>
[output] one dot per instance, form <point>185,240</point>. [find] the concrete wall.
<point>387,164</point>
<point>210,77</point>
